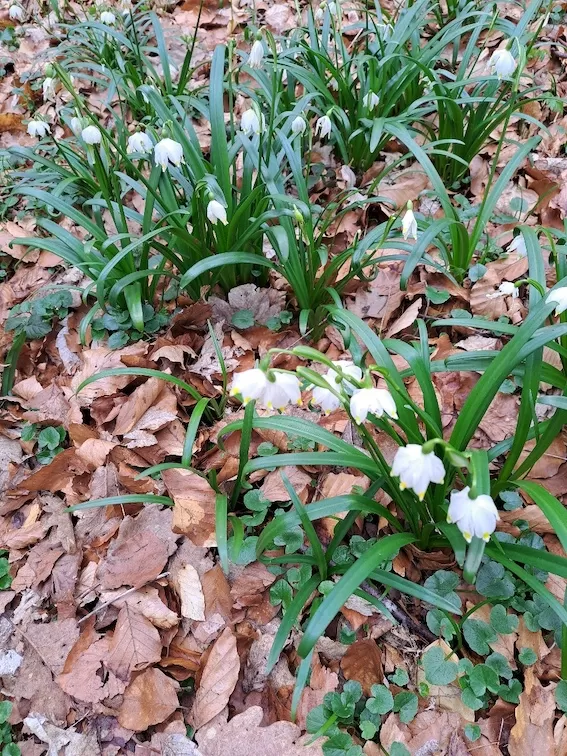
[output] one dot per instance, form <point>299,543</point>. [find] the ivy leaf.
<point>438,670</point>
<point>478,635</point>
<point>501,621</point>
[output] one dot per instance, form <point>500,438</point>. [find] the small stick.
<point>116,598</point>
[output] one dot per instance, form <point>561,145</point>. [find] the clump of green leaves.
<point>5,577</point>
<point>50,441</point>
<point>118,326</point>
<point>9,748</point>
<point>35,317</point>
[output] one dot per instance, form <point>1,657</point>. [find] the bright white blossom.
<point>216,212</point>
<point>108,18</point>
<point>139,142</point>
<point>372,400</point>
<point>16,12</point>
<point>38,128</point>
<point>370,100</point>
<point>256,55</point>
<point>474,517</point>
<point>323,126</point>
<point>558,297</point>
<point>333,8</point>
<point>276,393</point>
<point>409,223</point>
<point>502,63</point>
<point>250,123</point>
<point>325,398</point>
<point>319,13</point>
<point>298,125</point>
<point>506,289</point>
<point>167,152</point>
<point>91,135</point>
<point>48,88</point>
<point>518,244</point>
<point>76,125</point>
<point>416,469</point>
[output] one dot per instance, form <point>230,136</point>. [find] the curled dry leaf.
<point>533,731</point>
<point>188,587</point>
<point>134,562</point>
<point>194,505</point>
<point>363,662</point>
<point>218,680</point>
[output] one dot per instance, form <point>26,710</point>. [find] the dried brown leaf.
<point>148,700</point>
<point>134,562</point>
<point>218,680</point>
<point>533,731</point>
<point>363,662</point>
<point>194,508</point>
<point>135,644</point>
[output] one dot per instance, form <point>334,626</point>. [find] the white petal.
<point>250,384</point>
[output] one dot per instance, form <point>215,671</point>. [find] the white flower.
<point>518,244</point>
<point>333,8</point>
<point>167,152</point>
<point>91,135</point>
<point>16,12</point>
<point>139,142</point>
<point>216,212</point>
<point>502,63</point>
<point>255,384</point>
<point>256,55</point>
<point>373,400</point>
<point>325,398</point>
<point>506,289</point>
<point>38,128</point>
<point>474,517</point>
<point>49,88</point>
<point>250,123</point>
<point>319,13</point>
<point>298,125</point>
<point>417,470</point>
<point>370,100</point>
<point>108,18</point>
<point>558,297</point>
<point>323,126</point>
<point>409,224</point>
<point>76,125</point>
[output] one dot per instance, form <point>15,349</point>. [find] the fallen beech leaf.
<point>138,402</point>
<point>406,318</point>
<point>148,700</point>
<point>147,602</point>
<point>273,487</point>
<point>363,662</point>
<point>97,360</point>
<point>53,641</point>
<point>217,593</point>
<point>533,731</point>
<point>135,644</point>
<point>134,562</point>
<point>188,587</point>
<point>94,451</point>
<point>218,680</point>
<point>194,508</point>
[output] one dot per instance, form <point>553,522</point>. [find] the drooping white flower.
<point>16,12</point>
<point>518,244</point>
<point>139,142</point>
<point>372,400</point>
<point>256,55</point>
<point>409,223</point>
<point>91,135</point>
<point>216,212</point>
<point>168,152</point>
<point>333,8</point>
<point>298,125</point>
<point>370,100</point>
<point>506,289</point>
<point>324,126</point>
<point>38,128</point>
<point>502,63</point>
<point>474,517</point>
<point>276,393</point>
<point>320,12</point>
<point>558,297</point>
<point>251,123</point>
<point>108,18</point>
<point>417,470</point>
<point>48,88</point>
<point>327,399</point>
<point>76,125</point>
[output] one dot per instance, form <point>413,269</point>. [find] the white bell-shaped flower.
<point>139,142</point>
<point>474,517</point>
<point>249,384</point>
<point>256,55</point>
<point>251,123</point>
<point>108,18</point>
<point>168,152</point>
<point>76,125</point>
<point>324,126</point>
<point>558,297</point>
<point>280,392</point>
<point>417,470</point>
<point>91,135</point>
<point>374,401</point>
<point>502,63</point>
<point>327,399</point>
<point>370,100</point>
<point>48,88</point>
<point>298,125</point>
<point>409,223</point>
<point>16,12</point>
<point>38,128</point>
<point>506,289</point>
<point>518,244</point>
<point>216,212</point>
